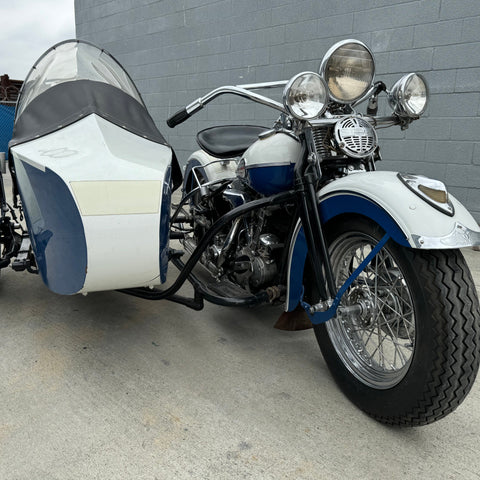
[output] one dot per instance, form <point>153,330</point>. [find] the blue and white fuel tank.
<point>270,162</point>
<point>93,172</point>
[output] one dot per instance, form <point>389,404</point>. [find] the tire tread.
<point>446,276</point>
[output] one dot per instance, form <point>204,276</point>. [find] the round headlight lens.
<point>409,95</point>
<point>348,68</point>
<point>305,96</point>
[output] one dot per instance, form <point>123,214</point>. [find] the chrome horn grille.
<point>355,137</point>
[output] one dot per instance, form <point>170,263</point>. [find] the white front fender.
<point>423,225</point>
<point>405,216</point>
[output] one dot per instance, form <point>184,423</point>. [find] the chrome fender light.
<point>434,192</point>
<point>409,96</point>
<point>305,96</point>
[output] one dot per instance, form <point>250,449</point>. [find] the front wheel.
<point>410,353</point>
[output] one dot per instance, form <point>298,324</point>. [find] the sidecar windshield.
<point>74,60</point>
<point>72,80</point>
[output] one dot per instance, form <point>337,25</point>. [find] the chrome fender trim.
<point>461,236</point>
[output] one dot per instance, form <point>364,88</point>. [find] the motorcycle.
<point>296,214</point>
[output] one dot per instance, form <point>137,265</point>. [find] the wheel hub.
<point>360,304</point>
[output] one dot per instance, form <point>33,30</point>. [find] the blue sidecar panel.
<point>56,229</point>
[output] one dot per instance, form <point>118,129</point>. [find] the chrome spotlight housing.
<point>409,96</point>
<point>305,96</point>
<point>348,69</point>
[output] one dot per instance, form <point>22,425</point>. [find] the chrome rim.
<point>376,343</point>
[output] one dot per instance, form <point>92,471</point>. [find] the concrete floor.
<point>112,387</point>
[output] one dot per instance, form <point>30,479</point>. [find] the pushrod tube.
<point>277,199</point>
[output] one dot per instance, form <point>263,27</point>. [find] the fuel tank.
<point>270,162</point>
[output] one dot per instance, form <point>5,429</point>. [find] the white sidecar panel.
<point>121,197</point>
<point>111,188</point>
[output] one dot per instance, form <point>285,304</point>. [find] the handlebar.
<point>178,118</point>
<point>244,91</point>
<point>241,91</point>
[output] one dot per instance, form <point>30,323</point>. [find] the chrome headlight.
<point>305,96</point>
<point>348,68</point>
<point>409,96</point>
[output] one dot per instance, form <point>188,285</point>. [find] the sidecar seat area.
<point>227,141</point>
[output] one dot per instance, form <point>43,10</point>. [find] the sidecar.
<point>93,172</point>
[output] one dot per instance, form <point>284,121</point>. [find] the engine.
<point>256,267</point>
<point>247,252</point>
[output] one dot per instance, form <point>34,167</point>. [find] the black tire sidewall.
<point>404,397</point>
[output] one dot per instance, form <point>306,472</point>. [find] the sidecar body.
<point>93,172</point>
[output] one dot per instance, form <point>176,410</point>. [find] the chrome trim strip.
<point>270,164</point>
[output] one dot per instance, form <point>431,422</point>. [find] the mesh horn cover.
<point>355,137</point>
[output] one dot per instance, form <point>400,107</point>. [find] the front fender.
<point>382,197</point>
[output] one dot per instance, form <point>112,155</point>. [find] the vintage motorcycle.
<point>295,214</point>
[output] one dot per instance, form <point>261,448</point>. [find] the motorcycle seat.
<point>227,141</point>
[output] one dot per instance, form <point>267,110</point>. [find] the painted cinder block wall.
<point>177,50</point>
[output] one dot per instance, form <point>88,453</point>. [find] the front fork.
<point>319,256</point>
<point>314,236</point>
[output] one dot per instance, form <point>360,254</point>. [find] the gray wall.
<point>177,50</point>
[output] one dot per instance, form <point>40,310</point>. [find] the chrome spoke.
<point>377,344</point>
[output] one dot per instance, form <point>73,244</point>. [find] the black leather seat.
<point>227,141</point>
